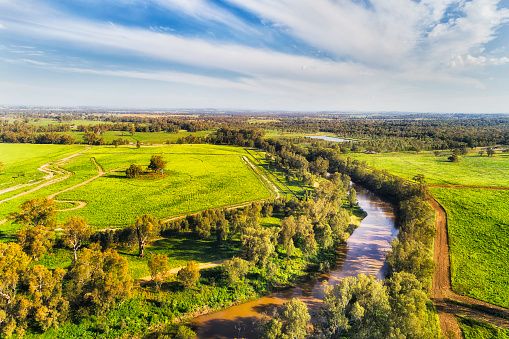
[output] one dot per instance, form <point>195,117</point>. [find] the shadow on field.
<point>185,247</point>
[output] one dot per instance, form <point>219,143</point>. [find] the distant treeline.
<point>377,134</point>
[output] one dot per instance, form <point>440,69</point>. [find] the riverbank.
<point>364,252</point>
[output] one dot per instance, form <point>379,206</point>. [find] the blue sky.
<point>362,55</point>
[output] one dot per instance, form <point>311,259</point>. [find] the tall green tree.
<point>98,280</point>
<point>145,229</point>
<point>76,233</point>
<point>159,266</point>
<point>37,212</point>
<point>157,163</point>
<point>357,307</point>
<point>189,275</point>
<point>14,307</point>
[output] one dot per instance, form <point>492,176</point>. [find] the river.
<point>364,252</point>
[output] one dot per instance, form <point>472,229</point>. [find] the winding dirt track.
<point>448,303</point>
<point>53,176</point>
<point>78,203</point>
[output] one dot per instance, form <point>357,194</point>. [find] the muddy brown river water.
<point>364,252</point>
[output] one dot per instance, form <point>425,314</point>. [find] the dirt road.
<point>448,303</point>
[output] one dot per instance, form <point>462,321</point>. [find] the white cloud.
<point>399,53</point>
<point>389,33</point>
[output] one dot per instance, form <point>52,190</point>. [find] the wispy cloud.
<point>385,51</point>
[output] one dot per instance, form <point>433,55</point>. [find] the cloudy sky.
<point>362,55</point>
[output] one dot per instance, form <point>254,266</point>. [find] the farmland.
<point>197,177</point>
<point>471,170</point>
<point>478,227</point>
<point>478,223</point>
<point>22,161</point>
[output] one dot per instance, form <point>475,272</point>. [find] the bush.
<point>133,171</point>
<point>189,275</point>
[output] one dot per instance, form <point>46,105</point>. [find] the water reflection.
<point>364,252</point>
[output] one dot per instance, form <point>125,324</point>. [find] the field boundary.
<point>447,302</point>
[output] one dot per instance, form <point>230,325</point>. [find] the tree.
<point>76,233</point>
<point>184,332</point>
<point>13,307</point>
<point>93,138</point>
<point>146,228</point>
<point>159,266</point>
<point>352,197</point>
<point>453,158</point>
<point>98,280</point>
<point>189,275</point>
<point>37,212</point>
<point>290,322</point>
<point>49,306</point>
<point>408,303</point>
<point>36,240</point>
<point>357,307</point>
<point>157,163</point>
<point>222,228</point>
<point>257,244</point>
<point>286,233</point>
<point>234,270</point>
<point>133,171</point>
<point>132,129</point>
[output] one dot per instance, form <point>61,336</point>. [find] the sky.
<point>304,55</point>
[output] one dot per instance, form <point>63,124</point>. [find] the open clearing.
<point>471,170</point>
<point>197,177</point>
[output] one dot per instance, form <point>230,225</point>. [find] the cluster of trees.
<point>37,138</point>
<point>156,165</point>
<point>361,306</point>
<point>37,298</point>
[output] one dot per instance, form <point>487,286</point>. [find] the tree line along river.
<point>364,252</point>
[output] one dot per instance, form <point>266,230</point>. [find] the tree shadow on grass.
<point>186,248</point>
<point>7,237</point>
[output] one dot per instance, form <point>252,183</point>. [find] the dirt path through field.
<point>447,302</point>
<point>262,176</point>
<point>53,176</point>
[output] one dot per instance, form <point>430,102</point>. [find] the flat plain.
<point>471,170</point>
<point>197,177</point>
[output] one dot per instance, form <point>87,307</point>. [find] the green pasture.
<point>478,223</point>
<point>471,170</point>
<point>197,177</point>
<point>21,161</point>
<point>477,330</point>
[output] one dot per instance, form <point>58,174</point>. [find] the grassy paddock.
<point>197,177</point>
<point>479,241</point>
<point>471,170</point>
<point>21,161</point>
<point>477,330</point>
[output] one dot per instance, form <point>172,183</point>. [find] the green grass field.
<point>197,177</point>
<point>478,225</point>
<point>478,220</point>
<point>476,330</point>
<point>471,170</point>
<point>22,160</point>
